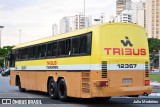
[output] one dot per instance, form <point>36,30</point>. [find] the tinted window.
<point>24,54</point>
<point>64,47</point>
<point>16,53</point>
<point>68,47</point>
<point>61,47</point>
<point>19,54</point>
<point>89,42</point>
<point>49,49</point>
<point>75,45</point>
<point>55,49</point>
<point>39,51</point>
<point>43,53</point>
<point>83,44</point>
<point>32,52</point>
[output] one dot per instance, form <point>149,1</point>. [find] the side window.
<point>49,50</point>
<point>62,47</point>
<point>32,52</point>
<point>83,44</point>
<point>24,54</point>
<point>54,49</point>
<point>39,51</point>
<point>89,43</point>
<point>68,47</point>
<point>43,53</point>
<point>75,45</point>
<point>16,53</point>
<point>19,54</point>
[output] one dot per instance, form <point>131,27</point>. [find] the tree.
<point>3,53</point>
<point>154,47</point>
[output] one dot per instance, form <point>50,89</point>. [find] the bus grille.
<point>104,69</point>
<point>85,82</point>
<point>146,69</point>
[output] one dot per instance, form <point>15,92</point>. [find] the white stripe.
<point>12,68</point>
<point>82,67</point>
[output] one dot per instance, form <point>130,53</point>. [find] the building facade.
<point>139,13</point>
<point>125,16</point>
<point>88,21</point>
<point>54,29</point>
<point>65,24</point>
<point>122,5</point>
<point>153,18</point>
<point>71,23</point>
<point>79,21</point>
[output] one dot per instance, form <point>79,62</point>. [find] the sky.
<point>35,17</point>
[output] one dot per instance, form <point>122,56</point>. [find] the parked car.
<point>0,70</point>
<point>151,68</point>
<point>6,72</point>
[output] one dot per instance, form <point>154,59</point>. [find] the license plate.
<point>127,81</point>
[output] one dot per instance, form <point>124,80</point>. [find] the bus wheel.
<point>52,89</point>
<point>20,88</point>
<point>62,90</point>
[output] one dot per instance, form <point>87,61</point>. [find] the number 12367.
<point>127,65</point>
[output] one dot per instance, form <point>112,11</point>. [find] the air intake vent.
<point>86,82</point>
<point>146,69</point>
<point>104,69</point>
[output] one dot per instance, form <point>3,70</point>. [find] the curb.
<point>154,94</point>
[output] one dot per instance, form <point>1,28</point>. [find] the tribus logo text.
<point>125,51</point>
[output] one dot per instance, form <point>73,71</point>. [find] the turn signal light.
<point>147,82</point>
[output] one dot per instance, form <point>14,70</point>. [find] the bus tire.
<point>103,98</point>
<point>52,89</point>
<point>62,90</point>
<point>20,88</point>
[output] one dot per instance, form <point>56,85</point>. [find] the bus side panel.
<point>23,78</point>
<point>95,50</point>
<point>32,77</point>
<point>13,78</point>
<point>73,80</point>
<point>41,81</point>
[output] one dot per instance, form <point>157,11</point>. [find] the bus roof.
<point>68,34</point>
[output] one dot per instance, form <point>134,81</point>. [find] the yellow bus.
<point>97,62</point>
